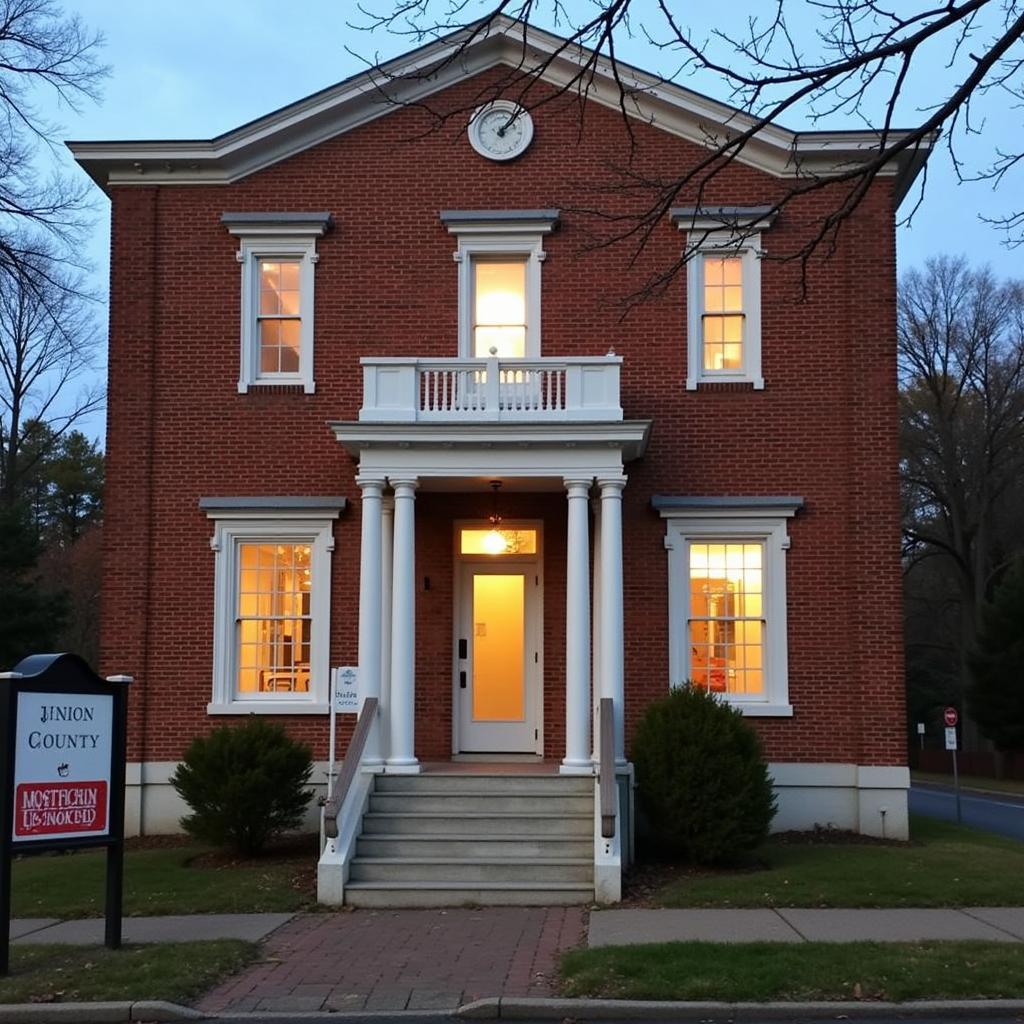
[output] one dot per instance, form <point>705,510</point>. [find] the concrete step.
<point>446,844</point>
<point>564,785</point>
<point>476,802</point>
<point>492,824</point>
<point>458,894</point>
<point>492,872</point>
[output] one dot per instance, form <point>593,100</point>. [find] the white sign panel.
<point>346,690</point>
<point>62,766</point>
<point>951,737</point>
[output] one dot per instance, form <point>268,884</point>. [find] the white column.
<point>387,540</point>
<point>612,659</point>
<point>595,627</point>
<point>369,610</point>
<point>401,756</point>
<point>577,759</point>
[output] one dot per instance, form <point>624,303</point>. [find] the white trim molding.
<point>272,236</point>
<point>756,519</point>
<point>296,521</point>
<point>496,233</point>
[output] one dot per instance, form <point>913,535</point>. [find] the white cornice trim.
<point>417,75</point>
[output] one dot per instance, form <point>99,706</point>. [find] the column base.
<point>568,767</point>
<point>372,767</point>
<point>402,768</point>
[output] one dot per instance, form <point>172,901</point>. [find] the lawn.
<point>176,971</point>
<point>165,880</point>
<point>800,971</point>
<point>943,866</point>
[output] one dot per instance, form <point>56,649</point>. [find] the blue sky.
<point>193,69</point>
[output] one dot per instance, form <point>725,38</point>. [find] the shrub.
<point>245,785</point>
<point>701,778</point>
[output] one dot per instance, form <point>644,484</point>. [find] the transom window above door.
<point>499,254</point>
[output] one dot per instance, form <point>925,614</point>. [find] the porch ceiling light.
<point>495,542</point>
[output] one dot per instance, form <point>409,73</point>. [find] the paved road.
<point>1001,813</point>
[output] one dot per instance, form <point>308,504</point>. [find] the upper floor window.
<point>723,288</point>
<point>499,254</point>
<point>277,253</point>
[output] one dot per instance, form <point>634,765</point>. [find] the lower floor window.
<point>727,598</point>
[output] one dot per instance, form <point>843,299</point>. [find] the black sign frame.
<point>68,674</point>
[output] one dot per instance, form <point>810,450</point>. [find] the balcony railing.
<point>398,390</point>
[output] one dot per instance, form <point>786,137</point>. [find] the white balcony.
<point>547,390</point>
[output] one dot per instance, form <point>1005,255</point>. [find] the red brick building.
<point>311,402</point>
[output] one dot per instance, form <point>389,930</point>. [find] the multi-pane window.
<point>279,319</point>
<point>726,625</point>
<point>273,617</point>
<point>723,315</point>
<point>499,307</point>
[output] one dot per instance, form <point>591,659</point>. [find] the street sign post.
<point>63,730</point>
<point>951,718</point>
<point>920,733</point>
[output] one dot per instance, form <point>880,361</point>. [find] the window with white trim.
<point>499,256</point>
<point>723,285</point>
<point>271,611</point>
<point>727,604</point>
<point>278,255</point>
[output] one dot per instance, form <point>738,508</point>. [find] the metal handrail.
<point>349,767</point>
<point>606,766</point>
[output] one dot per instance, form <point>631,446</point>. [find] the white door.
<point>498,657</point>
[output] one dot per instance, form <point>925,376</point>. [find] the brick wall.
<point>386,285</point>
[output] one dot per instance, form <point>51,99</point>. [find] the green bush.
<point>245,785</point>
<point>701,778</point>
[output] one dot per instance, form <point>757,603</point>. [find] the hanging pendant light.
<point>495,542</point>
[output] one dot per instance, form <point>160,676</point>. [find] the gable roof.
<point>415,76</point>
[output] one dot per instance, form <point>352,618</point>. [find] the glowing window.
<point>499,307</point>
<point>723,316</point>
<point>727,626</point>
<point>279,319</point>
<point>480,541</point>
<point>273,618</point>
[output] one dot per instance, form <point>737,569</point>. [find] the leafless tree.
<point>41,48</point>
<point>858,63</point>
<point>961,355</point>
<point>48,341</point>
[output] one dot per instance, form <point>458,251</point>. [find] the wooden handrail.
<point>606,767</point>
<point>349,767</point>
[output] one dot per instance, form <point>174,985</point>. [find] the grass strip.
<point>944,866</point>
<point>160,881</point>
<point>762,971</point>
<point>176,971</point>
<point>982,783</point>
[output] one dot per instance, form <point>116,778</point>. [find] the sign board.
<point>62,765</point>
<point>346,690</point>
<point>920,728</point>
<point>951,737</point>
<point>950,716</point>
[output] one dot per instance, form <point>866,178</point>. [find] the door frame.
<point>534,564</point>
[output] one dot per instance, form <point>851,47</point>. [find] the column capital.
<point>611,484</point>
<point>409,483</point>
<point>575,485</point>
<point>371,483</point>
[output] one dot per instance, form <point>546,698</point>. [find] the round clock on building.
<point>501,130</point>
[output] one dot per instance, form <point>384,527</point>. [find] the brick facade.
<point>823,428</point>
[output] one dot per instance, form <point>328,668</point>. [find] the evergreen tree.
<point>996,699</point>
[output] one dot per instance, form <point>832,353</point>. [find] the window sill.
<point>268,707</point>
<point>763,710</point>
<point>724,384</point>
<point>293,385</point>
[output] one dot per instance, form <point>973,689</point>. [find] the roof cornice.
<point>415,76</point>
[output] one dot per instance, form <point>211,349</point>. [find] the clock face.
<point>500,130</point>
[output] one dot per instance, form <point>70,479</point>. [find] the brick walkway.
<point>404,959</point>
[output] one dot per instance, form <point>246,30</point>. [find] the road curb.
<point>151,1010</point>
<point>627,1009</point>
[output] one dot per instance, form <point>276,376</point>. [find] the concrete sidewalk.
<point>181,928</point>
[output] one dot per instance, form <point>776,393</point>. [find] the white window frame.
<point>491,237</point>
<point>748,250</point>
<point>737,524</point>
<point>273,526</point>
<point>276,237</point>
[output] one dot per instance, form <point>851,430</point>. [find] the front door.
<point>498,657</point>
